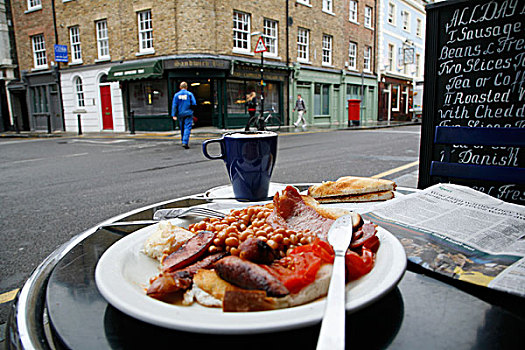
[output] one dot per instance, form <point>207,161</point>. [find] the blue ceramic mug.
<point>249,157</point>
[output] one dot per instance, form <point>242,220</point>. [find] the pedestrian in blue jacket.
<point>181,108</point>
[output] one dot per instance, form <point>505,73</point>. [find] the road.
<point>53,189</point>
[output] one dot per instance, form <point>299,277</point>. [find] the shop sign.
<point>197,63</point>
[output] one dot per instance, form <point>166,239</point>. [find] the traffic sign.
<point>260,47</point>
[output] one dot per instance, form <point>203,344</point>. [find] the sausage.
<point>170,282</point>
<point>257,251</point>
<point>249,275</point>
<point>189,252</point>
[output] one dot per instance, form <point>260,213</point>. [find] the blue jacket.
<point>182,101</point>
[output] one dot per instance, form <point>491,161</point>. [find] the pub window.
<point>391,16</point>
<point>368,17</point>
<point>390,57</point>
<point>39,97</point>
<point>303,38</point>
<point>352,12</point>
<point>321,99</point>
<point>367,55</point>
<point>34,5</point>
<point>405,20</point>
<point>145,31</point>
<point>102,40</point>
<point>395,97</point>
<point>76,50</point>
<point>237,90</point>
<point>327,49</point>
<point>270,36</point>
<point>328,6</point>
<point>353,92</point>
<point>39,51</point>
<point>79,92</point>
<point>241,31</point>
<point>352,55</point>
<point>150,98</point>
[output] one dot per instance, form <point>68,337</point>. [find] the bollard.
<point>132,122</point>
<point>48,117</point>
<point>79,124</point>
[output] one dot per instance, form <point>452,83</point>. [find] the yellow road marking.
<point>8,296</point>
<point>395,170</point>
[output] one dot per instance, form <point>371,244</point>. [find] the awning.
<point>136,70</point>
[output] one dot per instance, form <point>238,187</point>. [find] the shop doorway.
<point>203,91</point>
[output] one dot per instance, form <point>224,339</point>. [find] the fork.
<point>164,214</point>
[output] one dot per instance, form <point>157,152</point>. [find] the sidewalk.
<point>206,131</point>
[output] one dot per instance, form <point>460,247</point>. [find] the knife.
<point>332,334</point>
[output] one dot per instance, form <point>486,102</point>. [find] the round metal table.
<point>60,307</point>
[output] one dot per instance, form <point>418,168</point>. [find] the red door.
<point>107,112</point>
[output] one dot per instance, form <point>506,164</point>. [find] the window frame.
<point>241,35</point>
<point>405,20</point>
<point>397,96</point>
<point>102,42</point>
<point>328,6</point>
<point>327,49</point>
<point>271,36</point>
<point>391,56</point>
<point>352,55</point>
<point>304,2</point>
<point>353,11</point>
<point>418,65</point>
<point>39,51</point>
<point>391,13</point>
<point>303,33</point>
<point>368,17</point>
<point>80,100</point>
<point>367,59</point>
<point>34,5</point>
<point>419,27</point>
<point>145,31</point>
<point>76,45</point>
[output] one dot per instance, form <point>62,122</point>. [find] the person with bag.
<point>251,103</point>
<point>182,109</point>
<point>300,106</point>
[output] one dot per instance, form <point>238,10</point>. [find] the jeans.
<point>185,124</point>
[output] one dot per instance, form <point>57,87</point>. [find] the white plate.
<point>123,272</point>
<point>226,191</point>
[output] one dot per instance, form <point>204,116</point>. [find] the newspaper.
<point>461,233</point>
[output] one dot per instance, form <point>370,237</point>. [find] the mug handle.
<point>205,149</point>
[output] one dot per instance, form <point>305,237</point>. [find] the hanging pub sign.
<point>475,78</point>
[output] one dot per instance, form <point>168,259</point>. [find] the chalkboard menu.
<point>475,77</point>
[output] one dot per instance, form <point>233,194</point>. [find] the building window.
<point>303,36</point>
<point>79,92</point>
<point>304,2</point>
<point>241,31</point>
<point>321,99</point>
<point>391,17</point>
<point>418,63</point>
<point>34,5</point>
<point>352,55</point>
<point>327,49</point>
<point>74,38</point>
<point>405,19</point>
<point>395,97</point>
<point>368,17</point>
<point>39,51</point>
<point>102,40</point>
<point>145,31</point>
<point>352,13</point>
<point>419,27</point>
<point>328,6</point>
<point>367,55</point>
<point>390,57</point>
<point>39,97</point>
<point>270,36</point>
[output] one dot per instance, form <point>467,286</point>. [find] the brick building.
<point>36,98</point>
<point>126,59</point>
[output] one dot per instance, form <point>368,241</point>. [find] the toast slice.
<point>353,189</point>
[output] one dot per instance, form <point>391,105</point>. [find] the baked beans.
<point>249,222</point>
